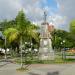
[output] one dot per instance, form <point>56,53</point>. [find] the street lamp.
<point>31,45</point>
<point>25,42</point>
<point>63,41</point>
<point>5,49</point>
<point>63,51</point>
<point>31,50</point>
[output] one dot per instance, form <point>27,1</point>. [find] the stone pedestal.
<point>45,51</point>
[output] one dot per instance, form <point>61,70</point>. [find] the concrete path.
<point>8,68</point>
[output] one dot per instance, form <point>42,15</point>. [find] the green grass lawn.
<point>57,60</point>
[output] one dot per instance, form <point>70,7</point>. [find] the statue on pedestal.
<point>46,51</point>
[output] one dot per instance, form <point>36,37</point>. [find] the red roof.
<point>50,28</point>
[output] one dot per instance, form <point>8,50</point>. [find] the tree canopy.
<point>72,26</point>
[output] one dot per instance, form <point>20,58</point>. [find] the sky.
<point>59,12</point>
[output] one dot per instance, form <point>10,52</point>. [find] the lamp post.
<point>63,51</point>
<point>25,51</point>
<point>5,49</point>
<point>31,45</point>
<point>31,50</point>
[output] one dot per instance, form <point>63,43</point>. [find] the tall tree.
<point>72,26</point>
<point>26,30</point>
<point>59,36</point>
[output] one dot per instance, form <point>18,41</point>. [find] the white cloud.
<point>34,11</point>
<point>57,20</point>
<point>67,8</point>
<point>9,8</point>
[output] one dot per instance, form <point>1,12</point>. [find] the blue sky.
<point>50,3</point>
<point>13,6</point>
<point>34,10</point>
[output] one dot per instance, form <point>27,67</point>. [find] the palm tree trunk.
<point>21,52</point>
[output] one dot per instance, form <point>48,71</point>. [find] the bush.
<point>1,54</point>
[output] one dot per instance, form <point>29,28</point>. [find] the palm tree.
<point>12,37</point>
<point>26,30</point>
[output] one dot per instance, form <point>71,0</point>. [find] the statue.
<point>45,51</point>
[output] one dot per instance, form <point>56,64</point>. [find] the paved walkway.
<point>7,68</point>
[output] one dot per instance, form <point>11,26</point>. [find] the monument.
<point>45,51</point>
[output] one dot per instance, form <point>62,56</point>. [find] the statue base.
<point>45,54</point>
